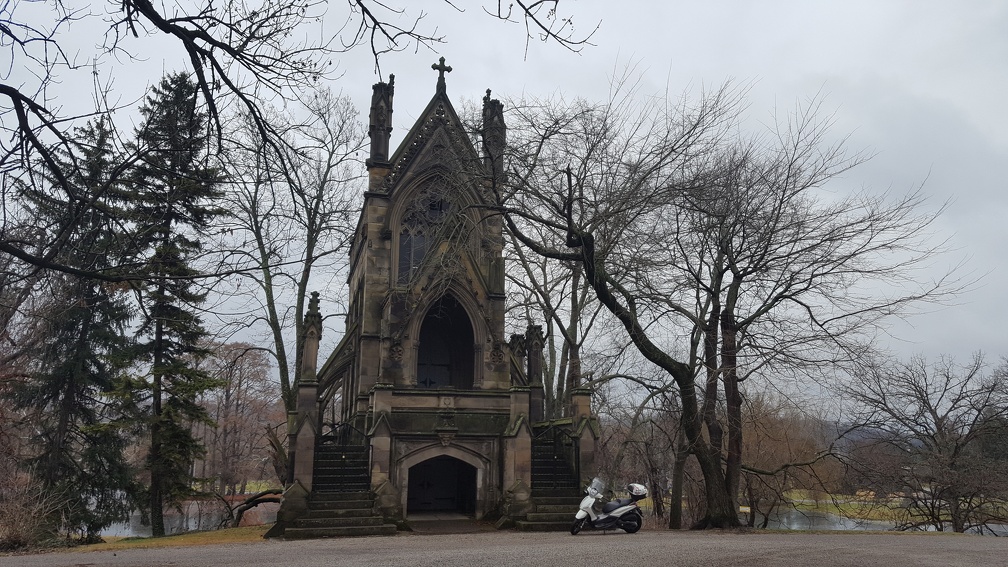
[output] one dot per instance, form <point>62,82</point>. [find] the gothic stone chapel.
<point>424,406</point>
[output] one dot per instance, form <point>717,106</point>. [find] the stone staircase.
<point>552,469</point>
<point>339,514</point>
<point>341,468</point>
<point>555,488</point>
<point>341,503</point>
<point>553,513</point>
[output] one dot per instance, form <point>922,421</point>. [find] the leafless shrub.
<point>28,513</point>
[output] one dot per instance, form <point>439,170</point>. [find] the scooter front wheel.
<point>577,525</point>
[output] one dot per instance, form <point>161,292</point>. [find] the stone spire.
<point>494,137</point>
<point>312,335</point>
<point>441,68</point>
<point>380,122</point>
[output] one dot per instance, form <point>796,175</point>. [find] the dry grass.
<point>190,539</point>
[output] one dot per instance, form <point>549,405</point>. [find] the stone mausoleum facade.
<point>446,409</point>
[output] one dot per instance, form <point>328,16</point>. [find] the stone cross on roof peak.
<point>441,68</point>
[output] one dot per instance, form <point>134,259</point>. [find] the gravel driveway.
<point>548,549</point>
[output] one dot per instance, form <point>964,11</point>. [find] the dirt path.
<point>646,548</point>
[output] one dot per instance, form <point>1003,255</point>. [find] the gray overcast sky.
<point>921,84</point>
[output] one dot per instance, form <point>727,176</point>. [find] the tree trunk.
<point>721,511</point>
<point>733,402</point>
<point>676,492</point>
<point>753,504</point>
<point>715,433</point>
<point>655,479</point>
<point>956,514</point>
<point>156,497</point>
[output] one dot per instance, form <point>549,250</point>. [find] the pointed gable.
<point>437,139</point>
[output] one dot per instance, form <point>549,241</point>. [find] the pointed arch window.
<point>446,353</point>
<point>412,249</point>
<point>420,225</point>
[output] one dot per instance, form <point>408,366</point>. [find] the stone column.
<point>303,425</point>
<point>585,424</point>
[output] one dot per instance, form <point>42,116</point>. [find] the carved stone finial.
<point>441,68</point>
<point>380,122</point>
<point>313,318</point>
<point>312,334</point>
<point>494,137</point>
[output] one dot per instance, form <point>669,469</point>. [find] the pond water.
<point>792,519</point>
<point>195,516</point>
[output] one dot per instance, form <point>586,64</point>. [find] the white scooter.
<point>622,513</point>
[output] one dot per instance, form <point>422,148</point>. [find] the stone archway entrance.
<point>441,484</point>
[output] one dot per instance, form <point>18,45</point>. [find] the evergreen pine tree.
<point>84,353</point>
<point>173,186</point>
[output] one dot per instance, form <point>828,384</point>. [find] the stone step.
<point>553,470</point>
<point>339,487</point>
<point>557,508</point>
<point>312,522</point>
<point>340,469</point>
<point>336,474</point>
<point>358,467</point>
<point>329,479</point>
<point>563,471</point>
<point>341,457</point>
<point>316,504</point>
<point>566,516</point>
<point>540,488</point>
<point>527,526</point>
<point>547,497</point>
<point>551,466</point>
<point>346,531</point>
<point>544,459</point>
<point>337,447</point>
<point>363,494</point>
<point>333,475</point>
<point>315,513</point>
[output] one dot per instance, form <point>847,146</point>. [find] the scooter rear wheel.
<point>577,525</point>
<point>631,523</point>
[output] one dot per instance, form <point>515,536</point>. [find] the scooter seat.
<point>618,503</point>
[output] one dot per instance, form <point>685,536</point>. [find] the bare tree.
<point>786,449</point>
<point>715,250</point>
<point>924,448</point>
<point>289,223</point>
<point>556,292</point>
<point>240,55</point>
<point>237,450</point>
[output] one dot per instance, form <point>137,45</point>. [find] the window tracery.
<point>421,223</point>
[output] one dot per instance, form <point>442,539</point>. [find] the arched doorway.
<point>441,484</point>
<point>445,355</point>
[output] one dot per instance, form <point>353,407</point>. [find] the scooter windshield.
<point>597,485</point>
